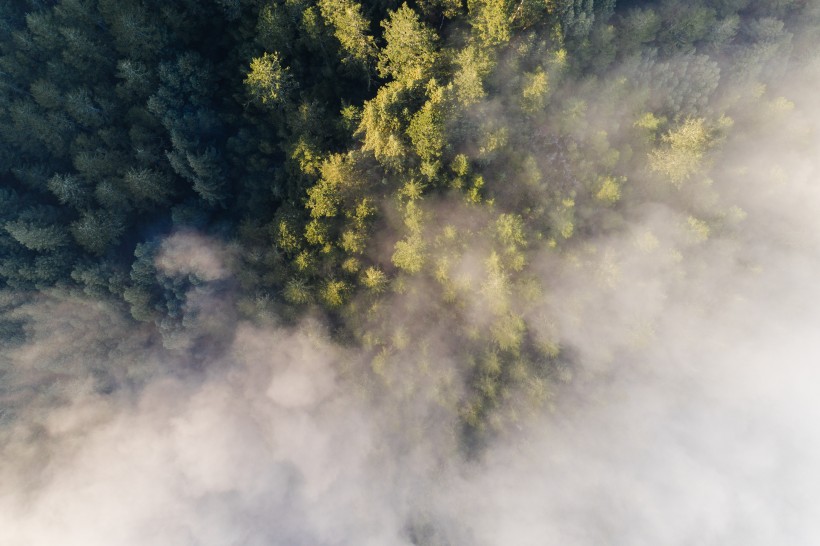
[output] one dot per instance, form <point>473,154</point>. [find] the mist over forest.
<point>431,273</point>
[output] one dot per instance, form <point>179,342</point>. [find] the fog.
<point>690,416</point>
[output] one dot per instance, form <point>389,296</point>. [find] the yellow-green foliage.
<point>353,241</point>
<point>304,261</point>
<point>382,125</point>
<point>609,190</point>
<point>426,129</point>
<point>496,285</point>
<point>413,218</point>
<point>491,20</point>
<point>374,279</point>
<point>460,165</point>
<point>474,193</point>
<point>410,50</point>
<point>364,210</point>
<point>563,218</point>
<point>649,122</point>
<point>316,233</point>
<point>351,265</point>
<point>286,236</point>
<point>538,391</point>
<point>509,229</point>
<point>681,156</point>
<point>339,180</point>
<point>495,138</point>
<point>698,228</point>
<point>333,293</point>
<point>268,82</point>
<point>468,82</point>
<point>351,28</point>
<point>508,331</point>
<point>409,254</point>
<point>535,91</point>
<point>781,105</point>
<point>306,156</point>
<point>412,189</point>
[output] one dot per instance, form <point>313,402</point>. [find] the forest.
<point>413,174</point>
<point>409,272</point>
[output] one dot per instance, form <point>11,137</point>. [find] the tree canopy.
<point>362,158</point>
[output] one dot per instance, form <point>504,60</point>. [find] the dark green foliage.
<point>576,17</point>
<point>70,190</point>
<point>97,230</point>
<point>35,235</point>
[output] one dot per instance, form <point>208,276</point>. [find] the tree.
<point>148,185</point>
<point>683,151</point>
<point>70,190</point>
<point>426,128</point>
<point>268,82</point>
<point>352,30</point>
<point>97,230</point>
<point>410,50</point>
<point>34,236</point>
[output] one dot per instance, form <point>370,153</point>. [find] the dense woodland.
<point>399,169</point>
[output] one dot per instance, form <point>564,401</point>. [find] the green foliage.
<point>298,292</point>
<point>491,20</point>
<point>409,254</point>
<point>426,128</point>
<point>148,185</point>
<point>351,29</point>
<point>70,190</point>
<point>339,181</point>
<point>97,230</point>
<point>576,17</point>
<point>268,82</point>
<point>374,279</point>
<point>36,237</point>
<point>392,165</point>
<point>609,190</point>
<point>535,90</point>
<point>410,50</point>
<point>682,154</point>
<point>333,293</point>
